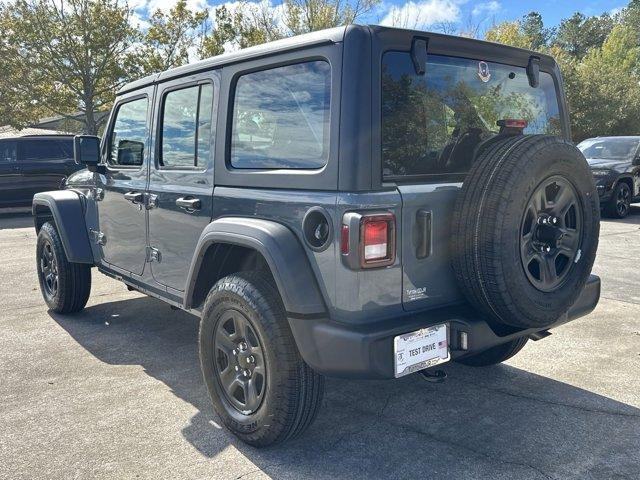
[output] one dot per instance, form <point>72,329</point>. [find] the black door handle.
<point>134,197</point>
<point>189,203</point>
<point>423,220</point>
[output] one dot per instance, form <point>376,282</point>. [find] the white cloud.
<point>422,14</point>
<point>486,8</point>
<point>151,6</point>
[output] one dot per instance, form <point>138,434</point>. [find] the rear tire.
<point>243,317</point>
<point>495,355</point>
<point>620,203</point>
<point>65,285</point>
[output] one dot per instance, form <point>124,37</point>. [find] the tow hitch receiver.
<point>539,335</point>
<point>437,376</point>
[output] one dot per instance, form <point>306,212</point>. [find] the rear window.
<point>46,149</point>
<point>433,123</point>
<point>281,117</point>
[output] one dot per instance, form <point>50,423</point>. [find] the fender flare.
<point>282,251</point>
<point>67,210</point>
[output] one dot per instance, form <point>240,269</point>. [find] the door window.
<point>129,134</point>
<point>281,117</point>
<point>186,127</point>
<point>35,150</point>
<point>7,152</point>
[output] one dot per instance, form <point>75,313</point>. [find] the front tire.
<point>620,203</point>
<point>65,285</point>
<point>259,385</point>
<point>495,355</point>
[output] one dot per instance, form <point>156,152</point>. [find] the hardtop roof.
<point>332,35</point>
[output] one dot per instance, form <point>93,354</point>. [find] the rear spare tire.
<point>525,230</point>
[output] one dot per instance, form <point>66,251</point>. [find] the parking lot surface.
<point>116,392</point>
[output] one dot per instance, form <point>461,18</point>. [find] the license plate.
<point>421,349</point>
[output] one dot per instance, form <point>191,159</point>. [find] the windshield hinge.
<point>419,54</point>
<point>533,71</point>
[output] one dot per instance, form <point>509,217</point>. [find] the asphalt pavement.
<point>116,392</point>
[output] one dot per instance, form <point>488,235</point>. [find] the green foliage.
<point>169,38</point>
<point>605,95</point>
<point>578,34</point>
<point>247,25</point>
<point>252,23</point>
<point>533,28</point>
<point>62,57</point>
<point>510,33</point>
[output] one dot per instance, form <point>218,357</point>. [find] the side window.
<point>42,150</point>
<point>129,134</point>
<point>7,152</point>
<point>186,127</point>
<point>281,117</point>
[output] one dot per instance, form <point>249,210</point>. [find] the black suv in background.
<point>32,164</point>
<point>615,165</point>
<point>361,202</point>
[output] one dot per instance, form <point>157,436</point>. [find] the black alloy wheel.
<point>49,270</point>
<point>550,233</point>
<point>623,200</point>
<point>239,362</point>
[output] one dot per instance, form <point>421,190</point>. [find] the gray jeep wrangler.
<point>361,202</point>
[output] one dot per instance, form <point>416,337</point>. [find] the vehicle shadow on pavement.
<point>633,218</point>
<point>497,422</point>
<point>10,220</point>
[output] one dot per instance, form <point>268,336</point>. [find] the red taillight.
<point>377,237</point>
<point>513,123</point>
<point>344,240</point>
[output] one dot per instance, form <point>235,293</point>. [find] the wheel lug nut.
<point>237,368</point>
<point>251,359</point>
<point>234,351</point>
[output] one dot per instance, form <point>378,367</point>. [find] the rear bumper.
<point>366,351</point>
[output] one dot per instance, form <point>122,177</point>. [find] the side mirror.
<point>86,150</point>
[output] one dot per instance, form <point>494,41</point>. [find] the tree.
<point>532,26</point>
<point>247,25</point>
<point>250,23</point>
<point>578,34</point>
<point>509,33</point>
<point>605,95</point>
<point>302,16</point>
<point>68,56</point>
<point>169,38</point>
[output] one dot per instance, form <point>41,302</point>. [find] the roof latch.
<point>419,55</point>
<point>533,71</point>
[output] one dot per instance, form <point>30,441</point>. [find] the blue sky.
<point>554,11</point>
<point>427,14</point>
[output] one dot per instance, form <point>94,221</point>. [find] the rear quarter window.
<point>281,117</point>
<point>432,124</point>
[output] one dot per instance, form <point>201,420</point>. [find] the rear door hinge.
<point>153,255</point>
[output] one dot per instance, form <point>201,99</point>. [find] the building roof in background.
<point>10,132</point>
